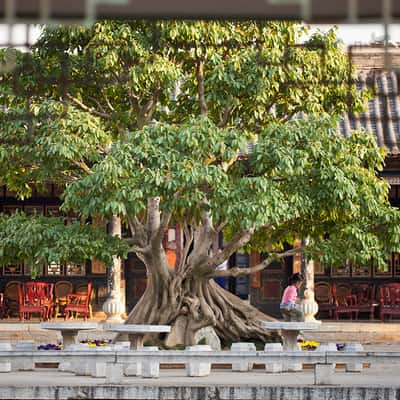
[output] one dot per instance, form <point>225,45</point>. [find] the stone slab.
<point>300,326</point>
<point>75,326</point>
<point>131,328</point>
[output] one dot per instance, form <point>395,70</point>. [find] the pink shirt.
<point>289,295</point>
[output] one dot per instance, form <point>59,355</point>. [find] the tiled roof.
<point>382,116</point>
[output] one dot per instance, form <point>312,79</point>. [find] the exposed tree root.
<point>195,304</point>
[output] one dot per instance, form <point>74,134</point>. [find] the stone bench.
<point>69,330</point>
<point>136,333</point>
<point>290,331</point>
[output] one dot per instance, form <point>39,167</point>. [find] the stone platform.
<point>374,383</point>
<point>330,331</point>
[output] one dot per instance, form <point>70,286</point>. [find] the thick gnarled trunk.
<point>188,299</point>
<point>191,303</point>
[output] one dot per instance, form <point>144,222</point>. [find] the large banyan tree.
<point>149,123</point>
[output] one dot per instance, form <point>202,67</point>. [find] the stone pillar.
<point>113,306</point>
<point>308,304</point>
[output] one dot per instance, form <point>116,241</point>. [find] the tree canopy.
<point>151,122</point>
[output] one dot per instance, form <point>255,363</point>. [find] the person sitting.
<point>289,308</point>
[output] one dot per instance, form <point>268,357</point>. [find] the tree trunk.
<point>191,303</point>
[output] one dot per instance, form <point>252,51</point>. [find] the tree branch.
<point>88,109</point>
<point>135,248</point>
<point>221,226</point>
<point>82,165</point>
<point>189,235</point>
<point>112,109</point>
<point>236,271</point>
<point>146,112</point>
<point>137,230</point>
<point>100,107</point>
<point>153,216</point>
<point>200,86</point>
<point>239,240</point>
<point>159,235</point>
<point>225,118</point>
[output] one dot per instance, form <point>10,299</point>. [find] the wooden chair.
<point>366,300</point>
<point>79,302</point>
<point>44,292</point>
<point>324,297</point>
<point>61,290</point>
<point>345,302</point>
<point>30,302</point>
<point>389,300</point>
<point>11,299</point>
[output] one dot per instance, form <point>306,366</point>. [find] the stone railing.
<point>112,362</point>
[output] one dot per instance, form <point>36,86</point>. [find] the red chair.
<point>44,292</point>
<point>366,300</point>
<point>389,300</point>
<point>11,299</point>
<point>61,290</point>
<point>79,303</point>
<point>324,298</point>
<point>345,302</point>
<point>29,302</point>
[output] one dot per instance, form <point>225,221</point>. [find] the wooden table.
<point>69,330</point>
<point>136,333</point>
<point>290,331</point>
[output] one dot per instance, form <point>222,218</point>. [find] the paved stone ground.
<point>372,384</point>
<point>377,376</point>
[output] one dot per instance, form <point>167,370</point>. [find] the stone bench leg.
<point>97,367</point>
<point>198,368</point>
<point>327,347</point>
<point>114,373</point>
<point>323,374</point>
<point>273,367</point>
<point>353,347</point>
<point>290,344</point>
<point>98,370</point>
<point>130,369</point>
<point>5,366</point>
<point>24,364</point>
<point>151,367</point>
<point>133,369</point>
<point>69,366</point>
<point>242,366</point>
<point>83,366</point>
